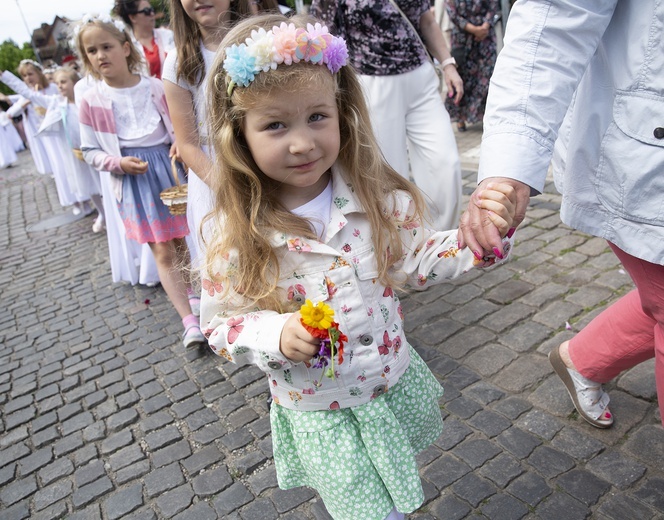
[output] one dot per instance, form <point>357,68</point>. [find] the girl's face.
<point>142,20</point>
<point>107,56</point>
<point>65,85</point>
<point>208,14</point>
<point>30,75</point>
<point>294,138</point>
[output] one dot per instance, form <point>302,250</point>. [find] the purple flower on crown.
<point>336,54</point>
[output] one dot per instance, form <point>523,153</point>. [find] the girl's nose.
<point>302,142</point>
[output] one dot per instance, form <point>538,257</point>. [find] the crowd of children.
<point>301,233</point>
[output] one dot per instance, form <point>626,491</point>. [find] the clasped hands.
<point>482,232</point>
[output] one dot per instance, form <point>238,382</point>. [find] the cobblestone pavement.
<point>105,416</point>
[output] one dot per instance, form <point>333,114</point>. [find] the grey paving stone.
<point>174,501</point>
<point>122,419</point>
<point>68,444</point>
<point>116,441</point>
<point>577,444</point>
<point>89,473</point>
<point>199,511</point>
<point>58,469</point>
<point>125,457</point>
<point>57,510</point>
<point>209,433</point>
<point>163,479</point>
<point>449,507</point>
<point>211,482</point>
<point>560,505</point>
<point>524,372</point>
<point>525,336</point>
<point>445,470</point>
<point>88,493</point>
<point>18,490</point>
<point>489,423</point>
<point>17,511</point>
<point>475,452</point>
<point>259,508</point>
<point>264,479</point>
<point>501,470</point>
<point>454,431</point>
<point>467,340</point>
<point>473,489</point>
<point>518,442</point>
<point>164,437</point>
<point>615,468</point>
<point>640,380</point>
<point>652,493</point>
<point>247,464</point>
<point>583,486</point>
<point>188,406</point>
<point>550,462</point>
<point>49,495</point>
<point>624,507</point>
<point>202,459</point>
<point>237,439</point>
<point>35,461</point>
<point>231,499</point>
<point>504,507</point>
<point>123,501</point>
<point>175,452</point>
<point>540,424</point>
<point>647,444</point>
<point>132,472</point>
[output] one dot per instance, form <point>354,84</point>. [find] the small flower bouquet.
<point>319,321</point>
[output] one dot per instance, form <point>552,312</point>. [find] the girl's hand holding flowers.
<point>316,336</point>
<point>296,343</point>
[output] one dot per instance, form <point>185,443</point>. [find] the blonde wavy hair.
<point>25,64</point>
<point>135,61</point>
<point>247,211</point>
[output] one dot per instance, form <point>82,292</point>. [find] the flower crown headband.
<point>286,45</point>
<point>31,62</point>
<point>91,18</point>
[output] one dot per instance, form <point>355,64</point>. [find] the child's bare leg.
<point>171,275</point>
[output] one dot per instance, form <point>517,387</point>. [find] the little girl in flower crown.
<point>314,234</point>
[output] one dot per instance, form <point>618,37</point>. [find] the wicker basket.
<point>175,197</point>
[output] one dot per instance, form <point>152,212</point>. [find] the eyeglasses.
<point>147,11</point>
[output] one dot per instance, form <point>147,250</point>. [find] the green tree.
<point>10,56</point>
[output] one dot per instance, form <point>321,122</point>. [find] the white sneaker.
<point>99,225</point>
<point>76,211</point>
<point>193,337</point>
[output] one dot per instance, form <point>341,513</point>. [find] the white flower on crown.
<point>103,18</point>
<point>261,47</point>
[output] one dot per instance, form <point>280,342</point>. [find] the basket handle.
<point>174,169</point>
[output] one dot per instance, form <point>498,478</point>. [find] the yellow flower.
<point>318,316</point>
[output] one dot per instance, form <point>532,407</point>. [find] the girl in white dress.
<point>7,141</point>
<point>44,149</point>
<point>75,180</point>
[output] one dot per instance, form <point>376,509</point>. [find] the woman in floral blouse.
<point>407,111</point>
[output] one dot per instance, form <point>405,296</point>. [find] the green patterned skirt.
<point>361,460</point>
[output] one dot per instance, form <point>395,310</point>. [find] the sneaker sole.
<point>561,369</point>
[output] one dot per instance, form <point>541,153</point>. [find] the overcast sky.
<point>37,12</point>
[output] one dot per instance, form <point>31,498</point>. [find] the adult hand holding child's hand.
<point>296,343</point>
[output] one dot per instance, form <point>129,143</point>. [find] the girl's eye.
<point>273,126</point>
<point>316,117</point>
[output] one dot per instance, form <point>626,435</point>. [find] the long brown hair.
<point>187,35</point>
<point>244,196</point>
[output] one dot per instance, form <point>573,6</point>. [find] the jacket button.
<point>658,132</point>
<point>299,298</point>
<point>380,390</point>
<point>274,365</point>
<point>366,339</point>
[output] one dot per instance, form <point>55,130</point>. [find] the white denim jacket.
<point>342,272</point>
<point>605,61</point>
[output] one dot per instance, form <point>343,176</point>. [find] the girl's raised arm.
<point>21,88</point>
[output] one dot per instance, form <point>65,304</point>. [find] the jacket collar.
<point>343,203</point>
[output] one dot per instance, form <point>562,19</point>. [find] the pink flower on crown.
<point>284,43</point>
<point>319,30</point>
